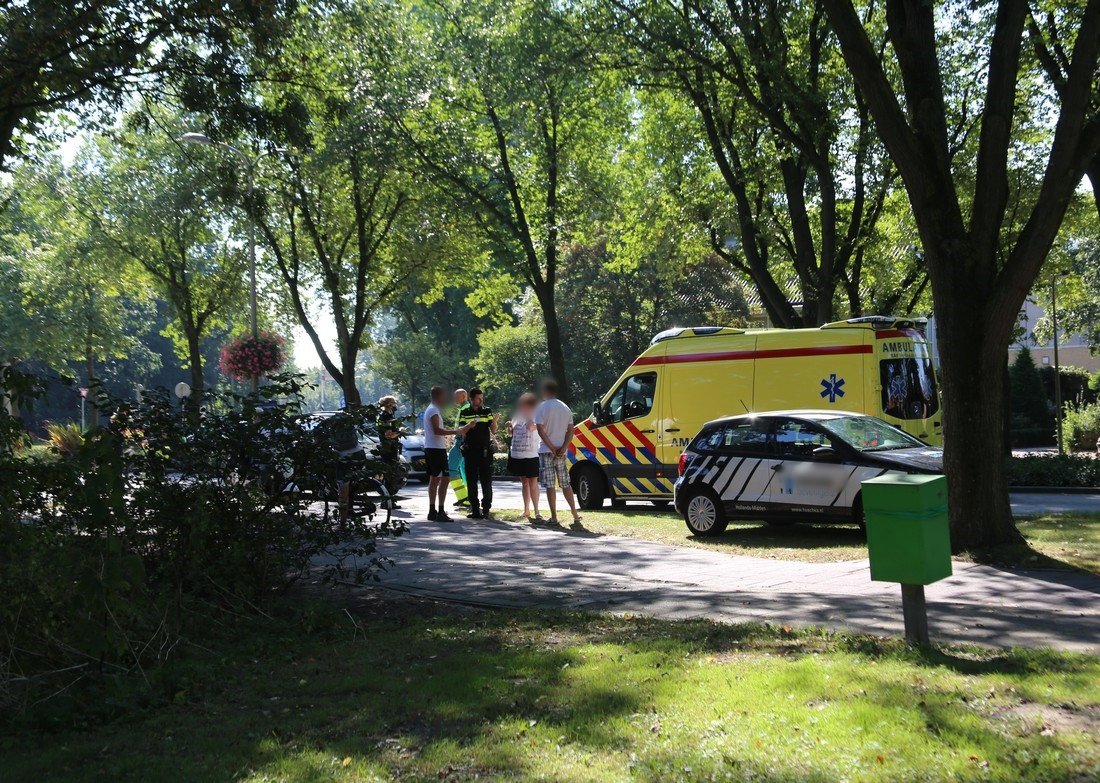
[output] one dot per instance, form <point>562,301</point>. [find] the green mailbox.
<point>907,534</point>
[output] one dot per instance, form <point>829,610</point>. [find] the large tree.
<point>157,202</point>
<point>343,213</point>
<point>70,55</point>
<point>985,222</point>
<point>517,124</point>
<point>81,299</point>
<point>805,180</point>
<point>613,309</point>
<point>1050,26</point>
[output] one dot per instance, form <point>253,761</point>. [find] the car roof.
<point>810,414</point>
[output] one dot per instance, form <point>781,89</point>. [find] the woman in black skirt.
<point>523,455</point>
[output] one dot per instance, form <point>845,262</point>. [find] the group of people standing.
<point>461,453</point>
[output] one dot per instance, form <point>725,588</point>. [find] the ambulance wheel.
<point>704,514</point>
<point>589,486</point>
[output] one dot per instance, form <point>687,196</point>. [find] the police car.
<point>791,466</point>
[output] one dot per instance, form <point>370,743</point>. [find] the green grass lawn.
<point>564,697</point>
<point>1054,541</point>
<point>1058,541</point>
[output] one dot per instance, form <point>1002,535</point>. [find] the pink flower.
<point>243,357</point>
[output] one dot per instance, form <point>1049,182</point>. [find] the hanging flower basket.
<point>247,356</point>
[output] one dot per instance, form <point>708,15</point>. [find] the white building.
<point>1073,349</point>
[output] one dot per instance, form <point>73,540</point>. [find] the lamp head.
<point>196,138</point>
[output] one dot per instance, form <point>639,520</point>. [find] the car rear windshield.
<point>865,433</point>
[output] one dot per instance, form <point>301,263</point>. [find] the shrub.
<point>102,552</point>
<point>1054,471</point>
<point>17,389</point>
<point>1081,427</point>
<point>64,438</point>
<point>1075,384</point>
<point>1031,421</point>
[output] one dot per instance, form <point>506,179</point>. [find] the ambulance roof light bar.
<point>693,331</point>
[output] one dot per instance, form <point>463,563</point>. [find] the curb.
<point>1056,490</point>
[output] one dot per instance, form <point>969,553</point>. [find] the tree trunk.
<point>974,401</point>
<point>11,406</point>
<point>90,399</point>
<point>1093,172</point>
<point>198,385</point>
<point>554,351</point>
<point>352,397</point>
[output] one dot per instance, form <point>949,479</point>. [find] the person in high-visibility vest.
<point>480,425</point>
<point>456,463</point>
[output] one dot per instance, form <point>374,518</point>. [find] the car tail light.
<point>681,466</point>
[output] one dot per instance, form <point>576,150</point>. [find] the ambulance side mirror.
<point>826,454</point>
<point>598,413</point>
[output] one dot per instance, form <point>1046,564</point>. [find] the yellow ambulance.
<point>628,449</point>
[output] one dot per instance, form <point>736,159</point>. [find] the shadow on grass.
<point>1068,542</point>
<point>544,695</point>
<point>759,535</point>
<point>1022,556</point>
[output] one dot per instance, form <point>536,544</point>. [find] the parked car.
<point>412,447</point>
<point>791,466</point>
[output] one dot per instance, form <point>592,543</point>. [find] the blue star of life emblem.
<point>832,387</point>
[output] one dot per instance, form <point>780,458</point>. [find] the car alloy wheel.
<point>702,514</point>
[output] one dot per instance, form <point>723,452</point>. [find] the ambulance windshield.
<point>909,386</point>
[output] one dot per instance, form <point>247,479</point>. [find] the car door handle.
<point>777,466</point>
<point>646,430</point>
<point>672,429</point>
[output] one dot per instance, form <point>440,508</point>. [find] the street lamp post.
<point>250,167</point>
<point>1057,366</point>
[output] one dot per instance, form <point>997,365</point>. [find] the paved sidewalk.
<point>504,564</point>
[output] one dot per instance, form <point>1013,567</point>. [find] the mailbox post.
<point>908,540</point>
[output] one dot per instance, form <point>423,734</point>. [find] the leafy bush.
<point>104,551</point>
<point>1075,382</point>
<point>16,390</point>
<point>64,438</point>
<point>1054,471</point>
<point>1081,427</point>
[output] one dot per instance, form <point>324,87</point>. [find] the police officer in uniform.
<point>477,452</point>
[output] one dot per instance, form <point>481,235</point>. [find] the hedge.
<point>1054,471</point>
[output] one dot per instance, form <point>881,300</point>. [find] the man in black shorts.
<point>479,424</point>
<point>435,454</point>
